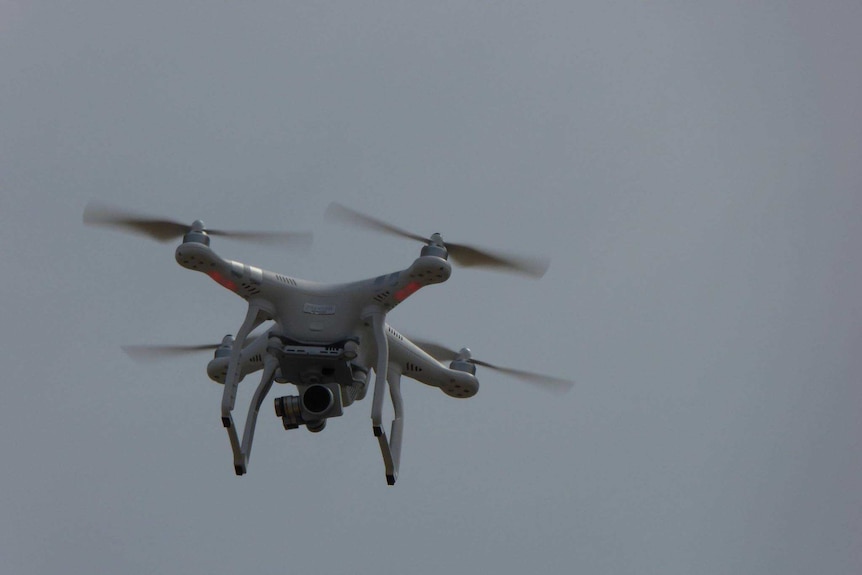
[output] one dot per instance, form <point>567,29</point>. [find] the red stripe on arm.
<point>220,279</point>
<point>407,291</point>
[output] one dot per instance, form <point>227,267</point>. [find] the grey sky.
<point>693,171</point>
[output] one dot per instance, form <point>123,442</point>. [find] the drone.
<point>325,339</point>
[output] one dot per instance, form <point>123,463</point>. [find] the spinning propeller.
<point>162,230</point>
<point>463,254</point>
<point>143,353</point>
<point>155,352</point>
<point>444,353</point>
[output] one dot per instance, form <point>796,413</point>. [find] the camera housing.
<point>312,407</point>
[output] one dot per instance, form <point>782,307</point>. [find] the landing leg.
<point>380,369</point>
<point>253,318</point>
<point>385,372</point>
<point>391,450</point>
<point>270,364</point>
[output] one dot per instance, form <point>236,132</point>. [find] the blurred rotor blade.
<point>157,352</point>
<point>295,239</point>
<point>462,254</point>
<point>546,381</point>
<point>98,214</point>
<point>339,212</point>
<point>162,230</point>
<point>469,256</point>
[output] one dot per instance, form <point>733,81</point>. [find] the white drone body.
<point>325,338</point>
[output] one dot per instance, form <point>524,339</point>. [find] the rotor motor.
<point>197,234</point>
<point>435,247</point>
<point>462,361</point>
<point>464,386</point>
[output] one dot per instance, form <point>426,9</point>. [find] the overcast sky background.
<point>692,169</point>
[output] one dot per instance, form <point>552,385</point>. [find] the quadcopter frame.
<point>325,340</point>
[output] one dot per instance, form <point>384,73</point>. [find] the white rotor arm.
<point>416,364</point>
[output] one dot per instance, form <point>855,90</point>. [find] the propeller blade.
<point>339,212</point>
<point>98,214</point>
<point>156,352</point>
<point>468,256</point>
<point>146,352</point>
<point>462,254</point>
<point>530,376</point>
<point>163,230</point>
<point>295,239</point>
<point>444,353</point>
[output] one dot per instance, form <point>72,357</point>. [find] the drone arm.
<point>416,363</point>
<point>251,360</point>
<point>390,290</point>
